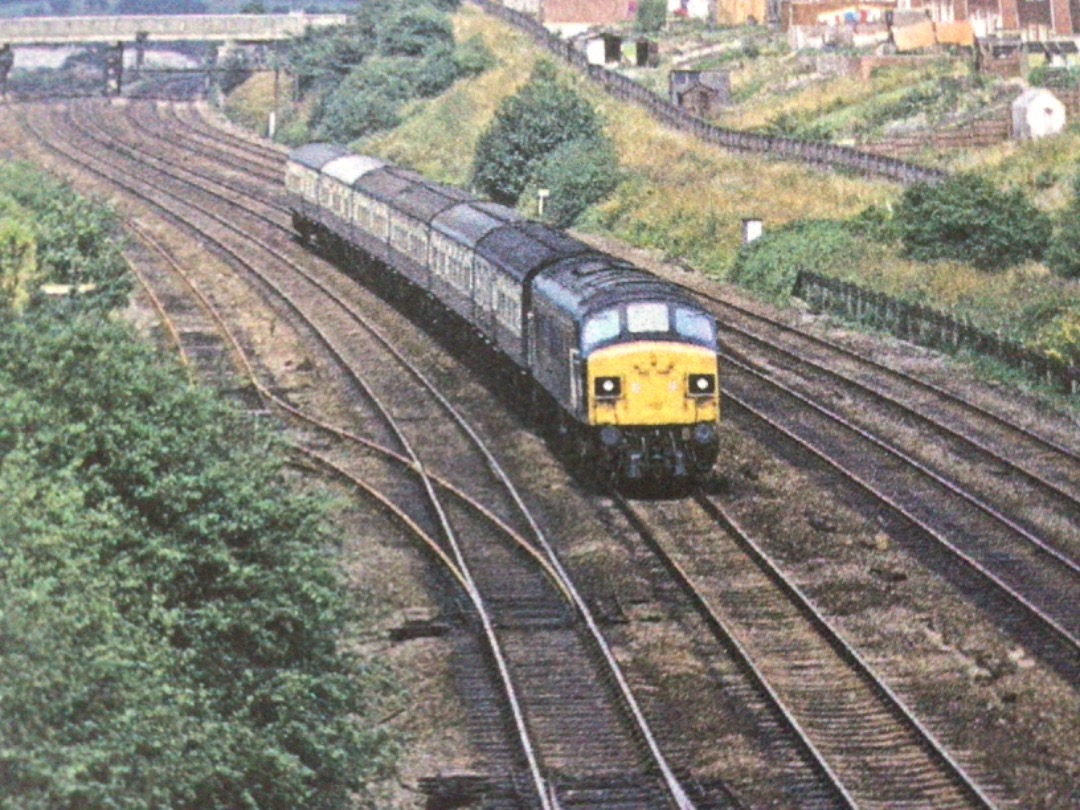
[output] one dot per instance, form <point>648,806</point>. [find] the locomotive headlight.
<point>607,387</point>
<point>701,385</point>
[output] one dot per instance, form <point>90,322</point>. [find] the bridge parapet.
<point>162,28</point>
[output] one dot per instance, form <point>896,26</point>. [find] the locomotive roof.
<point>583,284</point>
<point>316,155</point>
<point>348,168</point>
<point>524,247</point>
<point>426,200</point>
<point>470,222</point>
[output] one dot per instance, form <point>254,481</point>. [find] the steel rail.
<point>929,531</point>
<point>679,794</point>
<point>539,782</point>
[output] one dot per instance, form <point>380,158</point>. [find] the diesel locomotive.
<point>619,361</point>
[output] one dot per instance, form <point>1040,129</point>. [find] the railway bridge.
<point>141,29</point>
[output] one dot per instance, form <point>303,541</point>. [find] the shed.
<point>646,53</point>
<point>603,49</point>
<point>1036,114</point>
<point>699,91</point>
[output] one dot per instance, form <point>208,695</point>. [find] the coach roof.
<point>316,155</point>
<point>470,222</point>
<point>348,168</point>
<point>522,248</point>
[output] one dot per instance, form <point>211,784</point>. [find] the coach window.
<point>601,327</point>
<point>695,326</point>
<point>647,318</point>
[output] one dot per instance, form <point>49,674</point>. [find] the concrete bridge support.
<point>7,59</point>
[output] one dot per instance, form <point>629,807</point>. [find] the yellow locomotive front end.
<point>653,391</point>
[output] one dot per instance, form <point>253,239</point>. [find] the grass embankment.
<point>687,201</point>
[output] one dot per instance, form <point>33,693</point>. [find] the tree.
<point>162,7</point>
<point>412,31</point>
<point>368,99</point>
<point>577,174</point>
<point>651,15</point>
<point>966,218</point>
<point>527,127</point>
<point>172,615</point>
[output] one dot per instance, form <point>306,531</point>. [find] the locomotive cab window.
<point>695,326</point>
<point>642,318</point>
<point>601,327</point>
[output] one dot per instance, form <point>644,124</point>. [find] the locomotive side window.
<point>647,318</point>
<point>695,326</point>
<point>600,327</point>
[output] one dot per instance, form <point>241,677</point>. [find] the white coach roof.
<point>349,168</point>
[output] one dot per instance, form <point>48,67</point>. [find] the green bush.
<point>577,174</point>
<point>368,100</point>
<point>527,127</point>
<point>473,56</point>
<point>413,30</point>
<point>1063,254</point>
<point>770,265</point>
<point>651,15</point>
<point>965,218</point>
<point>20,273</point>
<point>391,53</point>
<point>77,240</point>
<point>171,618</point>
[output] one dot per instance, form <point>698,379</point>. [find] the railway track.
<point>582,739</point>
<point>937,787</point>
<point>980,534</point>
<point>867,746</point>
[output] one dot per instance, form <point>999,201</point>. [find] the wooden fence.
<point>815,153</point>
<point>928,327</point>
<point>911,322</point>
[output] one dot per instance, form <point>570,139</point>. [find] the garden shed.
<point>1036,114</point>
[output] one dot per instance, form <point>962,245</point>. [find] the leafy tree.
<point>527,127</point>
<point>171,615</point>
<point>577,174</point>
<point>413,30</point>
<point>651,15</point>
<point>1063,254</point>
<point>966,218</point>
<point>368,99</point>
<point>323,57</point>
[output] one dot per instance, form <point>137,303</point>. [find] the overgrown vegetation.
<point>172,616</point>
<point>685,201</point>
<point>361,75</point>
<point>966,218</point>
<point>651,15</point>
<point>771,265</point>
<point>1063,255</point>
<point>52,234</point>
<point>548,136</point>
